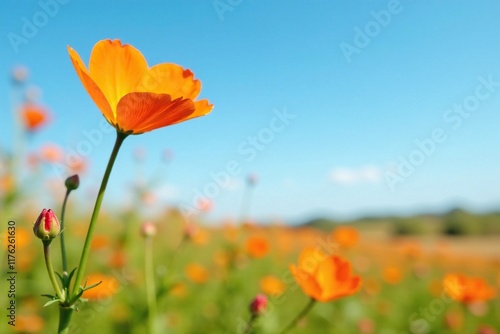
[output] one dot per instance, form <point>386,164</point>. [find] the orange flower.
<point>272,286</point>
<point>108,287</point>
<point>345,236</point>
<point>33,116</point>
<point>468,289</point>
<point>257,247</point>
<point>133,97</point>
<point>28,323</point>
<point>197,273</point>
<point>325,277</point>
<point>51,153</point>
<point>392,275</point>
<point>99,242</point>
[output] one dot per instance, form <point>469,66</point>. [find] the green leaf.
<point>50,302</point>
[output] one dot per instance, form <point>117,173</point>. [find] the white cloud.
<point>349,176</point>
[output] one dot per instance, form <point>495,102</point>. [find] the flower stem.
<point>120,137</point>
<point>65,314</point>
<point>250,322</point>
<point>50,271</point>
<point>304,311</point>
<point>150,284</point>
<point>61,235</point>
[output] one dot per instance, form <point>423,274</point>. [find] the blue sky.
<point>361,81</point>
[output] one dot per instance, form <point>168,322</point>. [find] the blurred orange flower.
<point>257,247</point>
<point>99,242</point>
<point>392,275</point>
<point>467,289</point>
<point>197,273</point>
<point>178,289</point>
<point>34,116</point>
<point>7,183</point>
<point>201,237</point>
<point>28,323</point>
<point>108,287</point>
<point>272,286</point>
<point>51,153</point>
<point>325,277</point>
<point>345,236</point>
<point>133,97</point>
<point>118,259</point>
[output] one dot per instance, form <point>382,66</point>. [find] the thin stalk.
<point>249,327</point>
<point>61,235</point>
<point>299,316</point>
<point>150,284</point>
<point>50,271</point>
<point>120,137</point>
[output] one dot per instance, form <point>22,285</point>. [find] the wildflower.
<point>252,179</point>
<point>257,247</point>
<point>272,286</point>
<point>467,289</point>
<point>392,275</point>
<point>133,97</point>
<point>106,289</point>
<point>258,305</point>
<point>197,273</point>
<point>345,236</point>
<point>51,153</point>
<point>148,229</point>
<point>33,116</point>
<point>19,74</point>
<point>325,277</point>
<point>47,226</point>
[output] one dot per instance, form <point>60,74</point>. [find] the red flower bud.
<point>47,225</point>
<point>258,305</point>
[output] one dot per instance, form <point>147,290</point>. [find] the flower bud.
<point>258,305</point>
<point>148,229</point>
<point>72,182</point>
<point>252,179</point>
<point>47,225</point>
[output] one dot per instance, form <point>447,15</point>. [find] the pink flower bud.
<point>258,305</point>
<point>47,226</point>
<point>148,229</point>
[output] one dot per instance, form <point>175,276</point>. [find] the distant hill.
<point>455,222</point>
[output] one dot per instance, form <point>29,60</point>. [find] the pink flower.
<point>47,226</point>
<point>258,305</point>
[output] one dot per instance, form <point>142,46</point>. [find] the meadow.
<point>179,272</point>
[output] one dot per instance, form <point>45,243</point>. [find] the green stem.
<point>50,271</point>
<point>150,284</point>
<point>61,235</point>
<point>299,316</point>
<point>250,322</point>
<point>65,314</point>
<point>120,137</point>
<point>174,255</point>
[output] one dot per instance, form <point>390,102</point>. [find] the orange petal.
<point>91,87</point>
<point>307,282</point>
<point>142,112</point>
<point>116,69</point>
<point>202,108</point>
<point>325,275</point>
<point>343,271</point>
<point>170,79</point>
<point>309,259</point>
